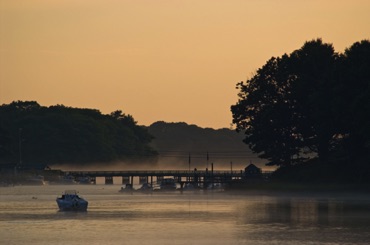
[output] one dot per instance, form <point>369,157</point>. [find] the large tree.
<point>285,109</point>
<point>354,99</point>
<point>266,113</point>
<point>313,92</point>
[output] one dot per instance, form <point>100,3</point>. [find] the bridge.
<point>200,177</point>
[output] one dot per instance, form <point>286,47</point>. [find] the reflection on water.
<point>29,215</point>
<point>308,212</point>
<point>307,220</point>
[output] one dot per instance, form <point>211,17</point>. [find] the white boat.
<point>71,201</point>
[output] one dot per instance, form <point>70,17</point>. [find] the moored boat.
<point>146,187</point>
<point>191,187</point>
<point>71,201</point>
<point>168,184</point>
<point>215,186</point>
<point>86,180</point>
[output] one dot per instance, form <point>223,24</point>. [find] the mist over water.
<point>167,163</point>
<point>29,215</point>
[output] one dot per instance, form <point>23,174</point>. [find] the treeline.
<point>311,104</point>
<point>30,133</point>
<point>176,142</point>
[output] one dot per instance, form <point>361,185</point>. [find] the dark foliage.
<point>311,103</point>
<point>31,133</point>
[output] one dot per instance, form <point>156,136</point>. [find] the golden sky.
<point>169,60</point>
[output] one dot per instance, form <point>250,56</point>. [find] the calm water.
<point>29,215</point>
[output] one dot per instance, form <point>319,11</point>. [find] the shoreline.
<point>299,188</point>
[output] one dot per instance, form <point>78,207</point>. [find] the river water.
<point>29,215</point>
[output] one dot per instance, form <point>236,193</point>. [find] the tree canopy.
<point>313,102</point>
<point>30,133</point>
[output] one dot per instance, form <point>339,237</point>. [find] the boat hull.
<point>168,184</point>
<point>71,201</point>
<point>79,205</point>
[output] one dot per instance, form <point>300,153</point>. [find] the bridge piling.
<point>143,179</point>
<point>108,180</point>
<point>93,180</point>
<point>125,180</point>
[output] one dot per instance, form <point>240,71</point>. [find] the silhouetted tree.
<point>266,113</point>
<point>311,101</point>
<point>59,134</point>
<point>354,99</point>
<point>312,90</point>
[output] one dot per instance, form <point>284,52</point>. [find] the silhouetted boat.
<point>215,186</point>
<point>84,180</point>
<point>146,187</point>
<point>190,187</point>
<point>168,184</point>
<point>71,201</point>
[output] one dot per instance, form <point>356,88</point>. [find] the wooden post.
<point>109,180</point>
<point>143,179</point>
<point>93,180</point>
<point>125,180</point>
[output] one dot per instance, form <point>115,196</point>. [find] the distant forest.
<point>179,144</point>
<point>34,134</point>
<point>58,135</point>
<point>308,113</point>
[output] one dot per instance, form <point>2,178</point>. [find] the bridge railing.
<point>154,173</point>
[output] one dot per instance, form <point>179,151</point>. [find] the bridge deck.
<point>161,173</point>
<point>181,176</point>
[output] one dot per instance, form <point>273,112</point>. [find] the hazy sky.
<point>170,60</point>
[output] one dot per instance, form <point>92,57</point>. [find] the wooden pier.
<point>199,177</point>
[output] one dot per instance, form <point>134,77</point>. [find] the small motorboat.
<point>215,186</point>
<point>68,180</point>
<point>71,201</point>
<point>86,180</point>
<point>168,184</point>
<point>191,187</point>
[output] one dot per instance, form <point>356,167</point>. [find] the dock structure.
<point>198,177</point>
